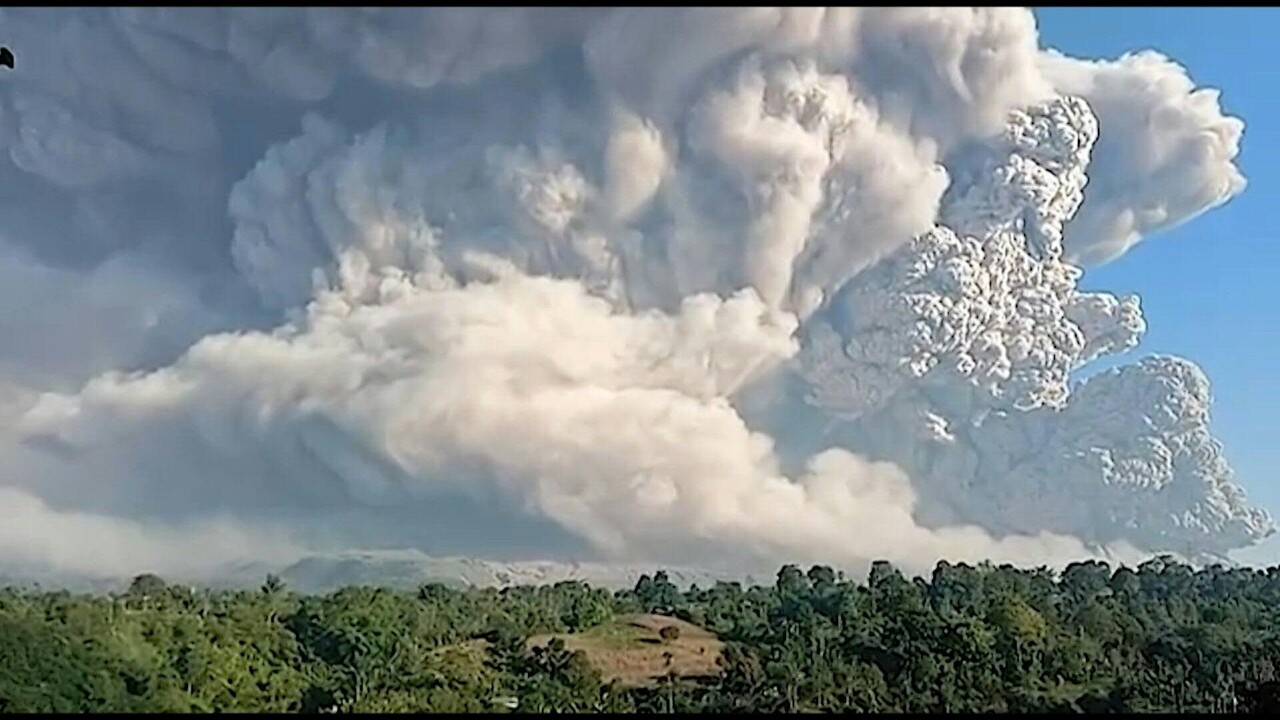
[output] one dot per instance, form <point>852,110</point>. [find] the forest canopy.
<point>1159,637</point>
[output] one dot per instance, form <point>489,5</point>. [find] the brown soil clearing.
<point>629,649</point>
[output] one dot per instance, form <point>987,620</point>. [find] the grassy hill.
<point>631,650</point>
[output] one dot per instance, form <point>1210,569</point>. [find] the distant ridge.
<point>400,569</point>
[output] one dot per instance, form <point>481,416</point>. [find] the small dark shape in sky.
<point>6,57</point>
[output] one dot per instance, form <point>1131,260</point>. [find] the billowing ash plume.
<point>699,286</point>
<point>952,357</point>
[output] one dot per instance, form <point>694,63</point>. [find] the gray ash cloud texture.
<point>701,286</point>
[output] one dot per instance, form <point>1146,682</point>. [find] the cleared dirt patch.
<point>631,650</point>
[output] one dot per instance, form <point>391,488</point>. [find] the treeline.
<point>1159,638</point>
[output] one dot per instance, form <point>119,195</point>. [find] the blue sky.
<point>1209,288</point>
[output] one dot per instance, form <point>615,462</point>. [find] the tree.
<point>1086,580</point>
<point>147,585</point>
<point>273,585</point>
<point>658,594</point>
<point>792,580</point>
<point>822,577</point>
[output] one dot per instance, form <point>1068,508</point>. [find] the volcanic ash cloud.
<point>726,286</point>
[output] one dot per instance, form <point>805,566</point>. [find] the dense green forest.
<point>1161,637</point>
